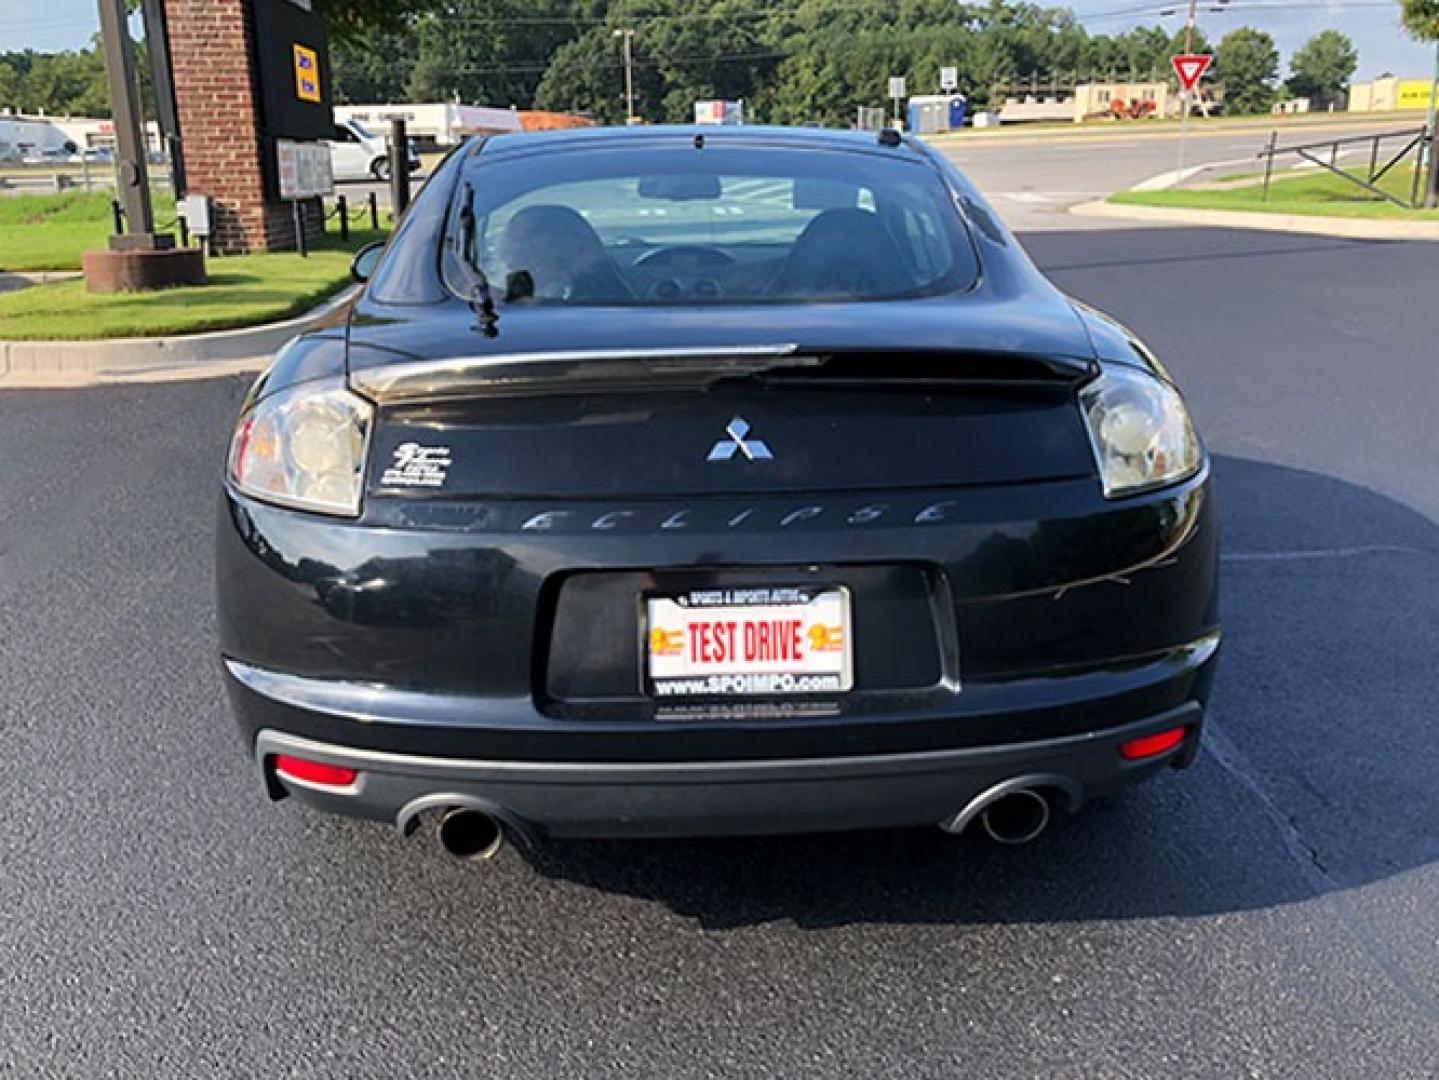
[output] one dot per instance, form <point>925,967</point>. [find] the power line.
<point>1158,11</point>
<point>615,62</point>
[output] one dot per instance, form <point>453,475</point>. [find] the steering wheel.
<point>684,271</point>
<point>697,255</point>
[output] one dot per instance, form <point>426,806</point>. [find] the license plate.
<point>737,642</point>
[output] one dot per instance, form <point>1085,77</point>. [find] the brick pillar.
<point>218,102</point>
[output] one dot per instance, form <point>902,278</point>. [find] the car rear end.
<point>813,567</point>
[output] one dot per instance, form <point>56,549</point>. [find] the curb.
<point>152,359</point>
<point>1344,228</point>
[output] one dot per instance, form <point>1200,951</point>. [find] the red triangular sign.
<point>1191,68</point>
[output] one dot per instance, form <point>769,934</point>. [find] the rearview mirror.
<point>683,187</point>
<point>366,259</point>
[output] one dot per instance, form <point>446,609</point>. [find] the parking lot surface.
<point>1272,912</point>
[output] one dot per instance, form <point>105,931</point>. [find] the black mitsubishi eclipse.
<point>682,481</point>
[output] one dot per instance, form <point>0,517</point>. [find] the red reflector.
<point>314,772</point>
<point>1150,745</point>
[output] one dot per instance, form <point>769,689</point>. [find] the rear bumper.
<point>539,799</point>
<point>421,647</point>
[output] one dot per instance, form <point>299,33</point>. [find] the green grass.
<point>1320,194</point>
<point>242,291</point>
<point>48,232</point>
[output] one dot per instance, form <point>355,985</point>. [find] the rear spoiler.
<point>522,374</point>
<point>529,373</point>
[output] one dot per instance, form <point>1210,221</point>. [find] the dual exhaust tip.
<point>471,835</point>
<point>1016,817</point>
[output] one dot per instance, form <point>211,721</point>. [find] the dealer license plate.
<point>740,642</point>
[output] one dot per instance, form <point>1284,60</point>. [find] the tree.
<point>1247,64</point>
<point>490,52</point>
<point>587,76</point>
<point>376,71</point>
<point>1421,18</point>
<point>68,83</point>
<point>1322,67</point>
<point>9,85</point>
<point>355,21</point>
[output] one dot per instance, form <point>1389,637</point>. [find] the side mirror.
<point>366,259</point>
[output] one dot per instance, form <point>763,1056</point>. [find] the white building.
<point>28,136</point>
<point>433,124</point>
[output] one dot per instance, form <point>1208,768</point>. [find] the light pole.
<point>628,35</point>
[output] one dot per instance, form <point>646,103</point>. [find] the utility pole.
<point>628,36</point>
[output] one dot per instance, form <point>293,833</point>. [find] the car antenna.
<point>480,297</point>
<point>889,137</point>
<point>699,142</point>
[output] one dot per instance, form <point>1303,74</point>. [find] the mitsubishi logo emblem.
<point>753,449</point>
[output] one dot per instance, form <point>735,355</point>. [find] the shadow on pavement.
<point>1326,775</point>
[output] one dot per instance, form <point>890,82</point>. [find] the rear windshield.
<point>647,226</point>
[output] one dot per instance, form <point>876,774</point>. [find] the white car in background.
<point>357,153</point>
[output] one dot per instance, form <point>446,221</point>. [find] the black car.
<point>675,481</point>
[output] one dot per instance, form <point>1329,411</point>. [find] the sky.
<point>50,25</point>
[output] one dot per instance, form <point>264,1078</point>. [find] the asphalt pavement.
<point>1272,912</point>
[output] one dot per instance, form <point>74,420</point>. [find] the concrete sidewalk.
<point>1345,228</point>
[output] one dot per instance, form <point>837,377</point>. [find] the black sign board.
<point>293,50</point>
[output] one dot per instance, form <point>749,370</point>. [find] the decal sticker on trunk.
<point>418,466</point>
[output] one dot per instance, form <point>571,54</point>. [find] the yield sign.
<point>1190,67</point>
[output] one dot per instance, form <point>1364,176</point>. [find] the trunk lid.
<point>658,403</point>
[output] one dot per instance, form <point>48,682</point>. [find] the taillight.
<point>1151,745</point>
<point>304,447</point>
<point>314,772</point>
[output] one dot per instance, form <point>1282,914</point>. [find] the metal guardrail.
<point>1414,140</point>
<point>47,176</point>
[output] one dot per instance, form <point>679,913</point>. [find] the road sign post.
<point>1431,184</point>
<point>896,91</point>
<point>1190,68</point>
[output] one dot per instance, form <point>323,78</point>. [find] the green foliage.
<point>356,22</point>
<point>1421,18</point>
<point>1247,63</point>
<point>373,71</point>
<point>65,83</point>
<point>9,84</point>
<point>490,52</point>
<point>1322,67</point>
<point>791,61</point>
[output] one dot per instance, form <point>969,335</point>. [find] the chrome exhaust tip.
<point>1016,818</point>
<point>470,834</point>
